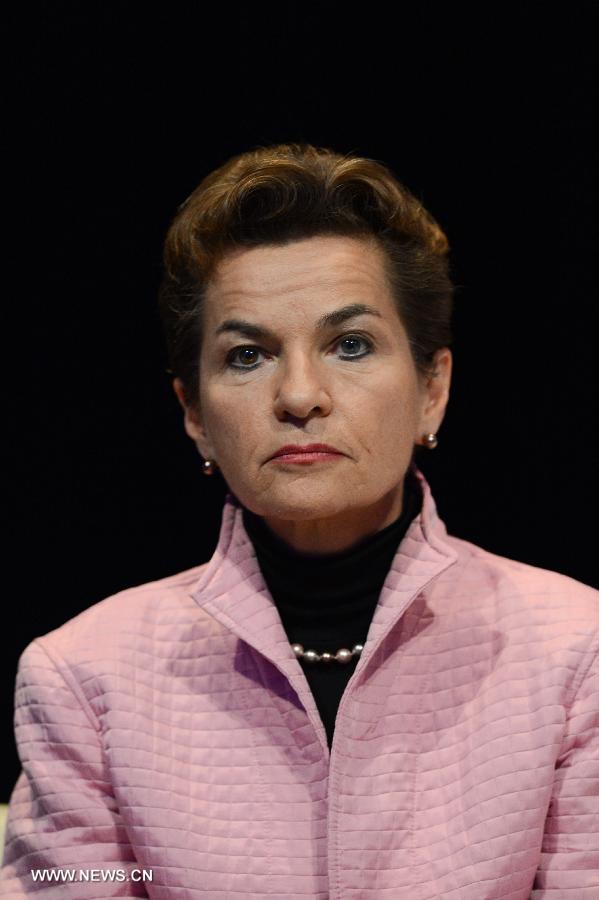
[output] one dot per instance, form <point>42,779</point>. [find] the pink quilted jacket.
<point>171,729</point>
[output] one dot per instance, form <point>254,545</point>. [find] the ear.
<point>436,392</point>
<point>193,422</point>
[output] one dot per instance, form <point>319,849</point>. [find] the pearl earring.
<point>430,441</point>
<point>208,467</point>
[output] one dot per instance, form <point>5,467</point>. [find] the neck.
<point>341,531</point>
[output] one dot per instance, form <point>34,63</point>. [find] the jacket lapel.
<point>421,557</point>
<point>232,589</point>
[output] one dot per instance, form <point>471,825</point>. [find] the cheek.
<point>387,411</point>
<point>231,421</point>
<point>401,416</point>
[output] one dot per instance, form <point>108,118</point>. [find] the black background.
<point>115,113</point>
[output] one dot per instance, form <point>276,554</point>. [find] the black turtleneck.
<point>327,601</point>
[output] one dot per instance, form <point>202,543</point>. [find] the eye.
<point>355,346</point>
<point>247,354</point>
<point>350,343</point>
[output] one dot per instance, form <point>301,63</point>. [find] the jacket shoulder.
<point>533,585</point>
<point>124,620</point>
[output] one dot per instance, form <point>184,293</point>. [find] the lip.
<point>305,452</point>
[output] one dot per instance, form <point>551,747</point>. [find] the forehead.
<point>304,274</point>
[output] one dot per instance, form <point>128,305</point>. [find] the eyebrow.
<point>331,319</point>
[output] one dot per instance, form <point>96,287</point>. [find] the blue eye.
<point>353,339</point>
<point>238,356</point>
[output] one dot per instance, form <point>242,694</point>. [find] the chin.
<point>298,505</point>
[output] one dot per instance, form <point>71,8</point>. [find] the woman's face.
<point>303,344</point>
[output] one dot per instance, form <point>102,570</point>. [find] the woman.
<point>345,701</point>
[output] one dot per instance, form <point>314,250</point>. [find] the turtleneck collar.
<point>314,588</point>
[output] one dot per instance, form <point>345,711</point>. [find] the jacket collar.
<point>232,589</point>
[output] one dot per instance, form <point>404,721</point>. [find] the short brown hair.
<point>274,195</point>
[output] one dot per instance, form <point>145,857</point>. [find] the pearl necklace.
<point>342,656</point>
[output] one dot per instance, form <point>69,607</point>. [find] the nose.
<point>301,388</point>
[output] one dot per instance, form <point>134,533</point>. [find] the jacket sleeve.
<point>62,814</point>
<point>569,866</point>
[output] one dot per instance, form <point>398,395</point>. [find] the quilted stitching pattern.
<point>170,727</point>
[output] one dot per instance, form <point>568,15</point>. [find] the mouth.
<point>307,453</point>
